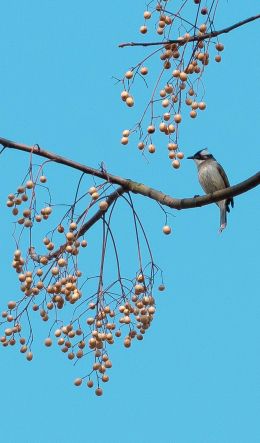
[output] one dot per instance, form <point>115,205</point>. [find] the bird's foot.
<point>197,195</point>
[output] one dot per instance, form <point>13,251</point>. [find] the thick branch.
<point>195,38</point>
<point>139,188</point>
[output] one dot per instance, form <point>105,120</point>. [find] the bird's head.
<point>201,155</point>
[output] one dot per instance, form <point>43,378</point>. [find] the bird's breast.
<point>210,178</point>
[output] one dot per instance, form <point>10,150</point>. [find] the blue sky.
<point>195,378</point>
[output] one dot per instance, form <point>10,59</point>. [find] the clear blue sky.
<point>196,376</point>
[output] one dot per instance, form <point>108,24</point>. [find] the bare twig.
<point>195,38</point>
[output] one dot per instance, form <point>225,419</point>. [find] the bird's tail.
<point>223,215</point>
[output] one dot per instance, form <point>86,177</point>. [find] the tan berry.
<point>127,343</point>
<point>95,195</point>
<point>176,73</point>
<point>176,164</point>
<point>147,15</point>
<point>124,140</point>
<point>144,70</point>
<point>167,230</point>
<point>8,332</point>
<point>162,93</point>
<point>219,47</point>
<point>124,95</point>
<point>177,118</point>
<point>48,342</point>
<point>165,103</point>
<point>203,28</point>
<point>143,29</point>
<point>29,356</point>
<point>202,106</point>
<point>99,392</point>
<point>193,114</point>
<point>103,205</point>
<point>162,127</point>
<point>169,89</point>
<point>129,74</point>
<point>11,304</point>
<point>172,155</point>
<point>166,116</point>
<point>151,149</point>
<point>183,76</point>
<point>172,146</point>
<point>171,128</point>
<point>130,102</point>
<point>29,184</point>
<point>194,105</point>
<point>141,146</point>
<point>78,381</point>
<point>151,129</point>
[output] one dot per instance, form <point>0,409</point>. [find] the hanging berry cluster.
<point>185,28</point>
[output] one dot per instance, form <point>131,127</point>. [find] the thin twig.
<point>195,38</point>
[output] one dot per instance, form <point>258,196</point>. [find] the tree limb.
<point>139,188</point>
<point>84,228</point>
<point>195,38</point>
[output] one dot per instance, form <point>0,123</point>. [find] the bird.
<point>212,177</point>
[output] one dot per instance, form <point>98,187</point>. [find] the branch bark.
<point>139,188</point>
<point>195,38</point>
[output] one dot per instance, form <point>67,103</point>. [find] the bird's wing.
<point>227,184</point>
<point>223,175</point>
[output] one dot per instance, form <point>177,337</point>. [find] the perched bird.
<point>212,177</point>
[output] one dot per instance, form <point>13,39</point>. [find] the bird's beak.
<point>190,158</point>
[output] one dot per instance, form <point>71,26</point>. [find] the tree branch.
<point>195,38</point>
<point>139,188</point>
<point>84,228</point>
